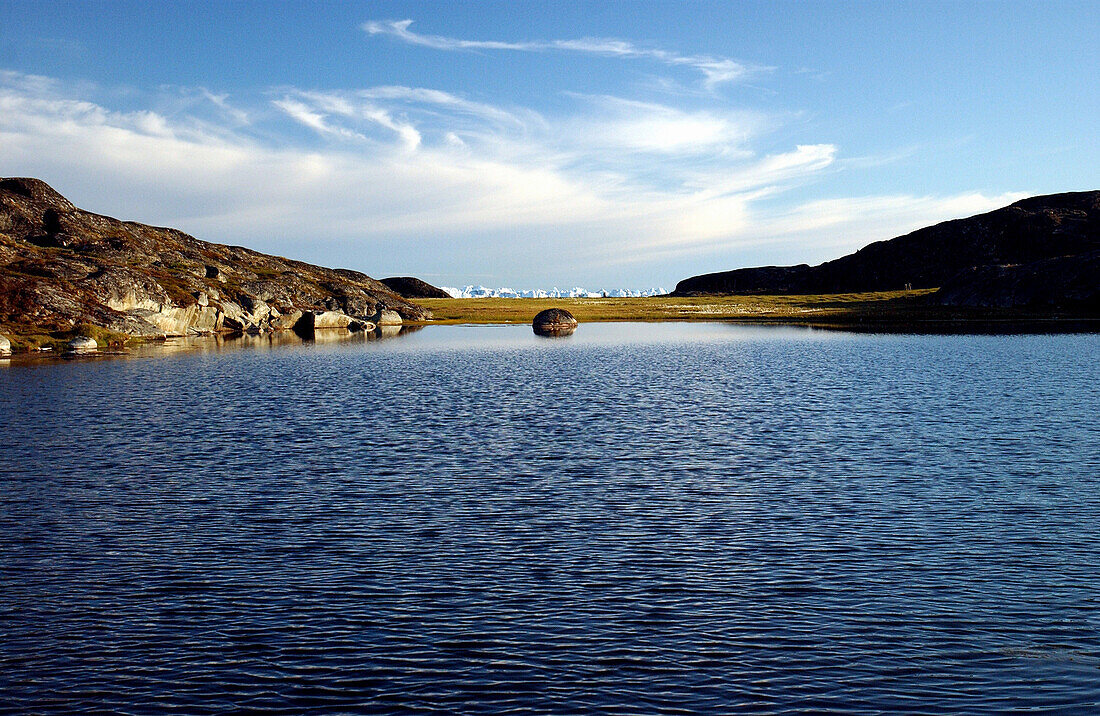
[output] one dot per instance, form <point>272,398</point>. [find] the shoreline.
<point>883,312</point>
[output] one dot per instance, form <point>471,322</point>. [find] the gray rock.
<point>257,308</point>
<point>319,320</point>
<point>331,319</point>
<point>285,321</point>
<point>5,346</point>
<point>386,317</point>
<point>82,344</point>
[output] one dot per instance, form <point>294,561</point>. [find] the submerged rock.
<point>554,322</point>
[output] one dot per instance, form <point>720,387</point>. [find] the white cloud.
<point>716,70</point>
<point>647,127</point>
<point>413,179</point>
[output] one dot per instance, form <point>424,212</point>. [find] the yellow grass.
<point>815,308</point>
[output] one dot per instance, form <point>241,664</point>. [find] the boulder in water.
<point>554,322</point>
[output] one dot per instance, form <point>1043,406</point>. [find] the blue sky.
<point>538,144</point>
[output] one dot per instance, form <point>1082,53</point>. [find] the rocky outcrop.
<point>61,266</point>
<point>409,287</point>
<point>1032,230</point>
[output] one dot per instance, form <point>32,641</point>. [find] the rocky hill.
<point>409,287</point>
<point>61,266</point>
<point>1014,256</point>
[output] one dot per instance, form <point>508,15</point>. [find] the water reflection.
<point>554,332</point>
<point>219,343</point>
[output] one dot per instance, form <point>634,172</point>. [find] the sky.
<point>536,144</point>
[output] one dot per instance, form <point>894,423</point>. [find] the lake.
<point>640,518</point>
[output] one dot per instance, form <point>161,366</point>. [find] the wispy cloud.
<point>715,70</point>
<point>404,179</point>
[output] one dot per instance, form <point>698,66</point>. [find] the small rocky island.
<point>63,269</point>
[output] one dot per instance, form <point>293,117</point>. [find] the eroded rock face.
<point>554,322</point>
<point>60,266</point>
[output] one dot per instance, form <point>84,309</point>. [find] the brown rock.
<point>554,322</point>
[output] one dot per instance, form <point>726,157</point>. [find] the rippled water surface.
<point>668,518</point>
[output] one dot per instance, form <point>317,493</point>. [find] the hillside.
<point>1013,246</point>
<point>61,266</point>
<point>410,287</point>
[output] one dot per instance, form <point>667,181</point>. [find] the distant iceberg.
<point>578,292</point>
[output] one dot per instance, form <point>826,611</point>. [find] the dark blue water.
<point>666,518</point>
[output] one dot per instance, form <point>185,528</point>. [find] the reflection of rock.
<point>357,326</point>
<point>5,346</point>
<point>387,331</point>
<point>82,344</point>
<point>554,322</point>
<point>554,332</point>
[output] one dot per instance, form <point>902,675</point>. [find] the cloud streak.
<point>715,70</point>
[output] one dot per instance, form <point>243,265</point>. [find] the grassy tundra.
<point>886,310</point>
<point>827,308</point>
